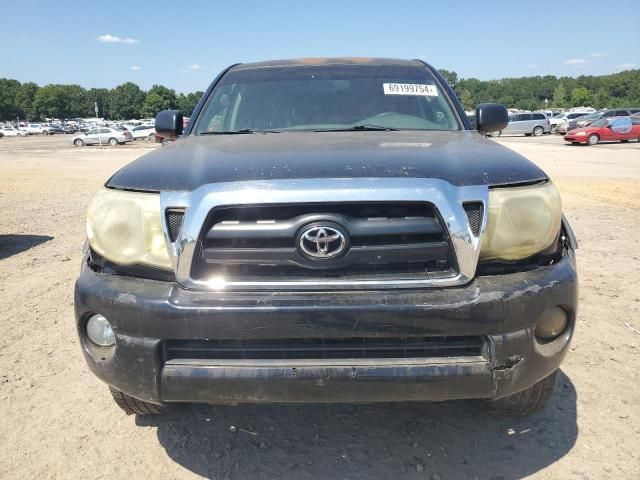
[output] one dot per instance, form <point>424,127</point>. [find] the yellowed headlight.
<point>125,228</point>
<point>521,221</point>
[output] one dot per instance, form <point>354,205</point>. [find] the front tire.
<point>132,405</point>
<point>113,142</point>
<point>593,139</point>
<point>78,142</point>
<point>538,131</point>
<point>529,401</point>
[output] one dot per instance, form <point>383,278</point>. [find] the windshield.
<point>325,98</point>
<point>558,115</point>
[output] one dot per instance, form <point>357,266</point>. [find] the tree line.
<point>127,101</point>
<point>529,93</point>
<point>32,102</point>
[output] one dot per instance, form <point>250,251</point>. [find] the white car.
<point>564,117</point>
<point>11,131</point>
<point>33,128</point>
<point>105,135</point>
<point>144,132</point>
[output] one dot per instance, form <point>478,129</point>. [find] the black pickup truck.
<point>328,230</point>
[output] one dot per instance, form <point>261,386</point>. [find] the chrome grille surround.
<point>447,198</point>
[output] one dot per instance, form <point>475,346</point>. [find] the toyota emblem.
<point>322,241</point>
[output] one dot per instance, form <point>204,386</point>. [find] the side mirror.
<point>169,123</point>
<point>491,117</point>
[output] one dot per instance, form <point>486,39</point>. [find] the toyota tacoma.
<point>328,230</point>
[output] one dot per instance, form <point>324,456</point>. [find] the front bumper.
<point>575,139</point>
<point>502,309</point>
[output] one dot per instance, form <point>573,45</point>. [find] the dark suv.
<point>328,230</point>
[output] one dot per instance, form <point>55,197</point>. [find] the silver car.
<point>111,135</point>
<point>535,123</point>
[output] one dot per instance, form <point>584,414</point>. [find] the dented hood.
<point>461,158</point>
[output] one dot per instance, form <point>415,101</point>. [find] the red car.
<point>613,129</point>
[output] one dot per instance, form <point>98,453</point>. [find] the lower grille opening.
<point>324,348</point>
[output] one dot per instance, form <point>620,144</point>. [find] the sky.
<point>184,45</point>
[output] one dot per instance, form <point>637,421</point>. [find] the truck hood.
<point>461,158</point>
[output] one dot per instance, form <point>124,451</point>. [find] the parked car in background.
<point>68,129</point>
<point>564,117</point>
<point>531,123</point>
<point>147,132</point>
<point>163,140</point>
<point>616,129</point>
<point>11,131</point>
<point>620,112</point>
<point>104,135</point>
<point>582,121</point>
<point>33,128</point>
<point>52,129</point>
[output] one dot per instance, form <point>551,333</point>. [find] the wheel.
<point>78,142</point>
<point>151,137</point>
<point>134,406</point>
<point>593,139</point>
<point>113,142</point>
<point>538,131</point>
<point>529,401</point>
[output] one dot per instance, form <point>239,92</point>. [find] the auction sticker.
<point>410,89</point>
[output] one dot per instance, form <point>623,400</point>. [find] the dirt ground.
<point>58,421</point>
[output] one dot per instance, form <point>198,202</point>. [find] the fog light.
<point>100,332</point>
<point>551,323</point>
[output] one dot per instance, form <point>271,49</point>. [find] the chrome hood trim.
<point>447,198</point>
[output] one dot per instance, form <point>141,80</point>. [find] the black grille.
<point>474,215</point>
<point>319,348</point>
<point>174,223</point>
<point>262,241</point>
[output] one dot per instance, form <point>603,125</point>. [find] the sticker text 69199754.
<point>410,89</point>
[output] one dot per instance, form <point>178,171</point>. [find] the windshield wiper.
<point>361,128</point>
<point>238,132</point>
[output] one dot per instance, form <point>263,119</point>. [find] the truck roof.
<point>300,62</point>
